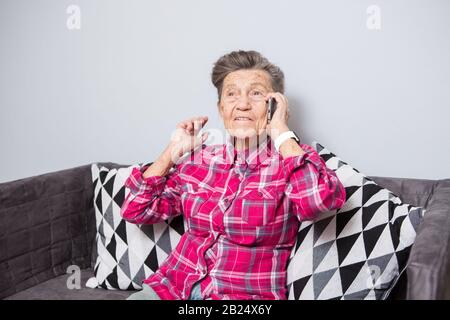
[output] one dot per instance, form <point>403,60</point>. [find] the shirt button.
<point>202,272</point>
<point>260,193</point>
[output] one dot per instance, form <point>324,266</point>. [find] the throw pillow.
<point>127,253</point>
<point>358,251</point>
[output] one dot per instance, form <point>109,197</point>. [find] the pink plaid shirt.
<point>242,212</point>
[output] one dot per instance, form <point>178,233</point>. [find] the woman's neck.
<point>248,143</point>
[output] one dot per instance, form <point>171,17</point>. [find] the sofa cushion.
<point>127,253</point>
<point>358,251</point>
<point>57,289</point>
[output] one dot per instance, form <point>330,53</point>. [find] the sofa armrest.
<point>47,223</point>
<point>428,270</point>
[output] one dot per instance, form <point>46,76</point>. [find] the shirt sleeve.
<point>151,199</point>
<point>311,186</point>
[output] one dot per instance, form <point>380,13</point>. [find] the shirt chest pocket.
<point>259,206</point>
<point>193,199</point>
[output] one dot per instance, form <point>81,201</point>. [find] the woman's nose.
<point>243,102</point>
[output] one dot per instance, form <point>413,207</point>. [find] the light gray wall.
<point>115,89</point>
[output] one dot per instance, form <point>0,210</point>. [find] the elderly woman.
<point>242,200</point>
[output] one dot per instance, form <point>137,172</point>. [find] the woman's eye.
<point>256,92</point>
<point>230,94</point>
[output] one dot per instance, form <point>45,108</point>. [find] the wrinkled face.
<point>242,105</point>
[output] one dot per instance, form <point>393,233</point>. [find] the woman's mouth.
<point>242,119</point>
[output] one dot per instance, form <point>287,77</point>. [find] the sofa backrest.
<point>428,272</point>
<point>47,223</point>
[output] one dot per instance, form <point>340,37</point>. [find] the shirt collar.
<point>257,155</point>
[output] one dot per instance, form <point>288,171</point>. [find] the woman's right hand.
<point>185,139</point>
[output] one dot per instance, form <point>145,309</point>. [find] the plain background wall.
<point>115,89</point>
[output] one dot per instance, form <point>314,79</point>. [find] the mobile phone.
<point>271,107</point>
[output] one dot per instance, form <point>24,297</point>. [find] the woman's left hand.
<point>278,123</point>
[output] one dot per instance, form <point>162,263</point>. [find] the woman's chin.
<point>242,133</point>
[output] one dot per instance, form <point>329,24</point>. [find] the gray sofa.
<point>47,223</point>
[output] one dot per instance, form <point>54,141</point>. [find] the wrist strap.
<point>283,137</point>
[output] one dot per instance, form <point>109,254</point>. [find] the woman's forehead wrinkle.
<point>231,85</point>
<point>259,82</point>
<point>253,84</point>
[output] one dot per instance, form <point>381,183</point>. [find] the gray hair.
<point>237,60</point>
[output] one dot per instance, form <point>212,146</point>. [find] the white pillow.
<point>127,253</point>
<point>358,251</point>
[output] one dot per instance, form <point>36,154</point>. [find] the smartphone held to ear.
<point>271,107</point>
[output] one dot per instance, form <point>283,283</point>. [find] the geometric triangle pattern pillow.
<point>127,253</point>
<point>358,251</point>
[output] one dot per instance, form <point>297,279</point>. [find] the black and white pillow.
<point>358,251</point>
<point>127,253</point>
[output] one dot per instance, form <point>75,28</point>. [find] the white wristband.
<point>283,137</point>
